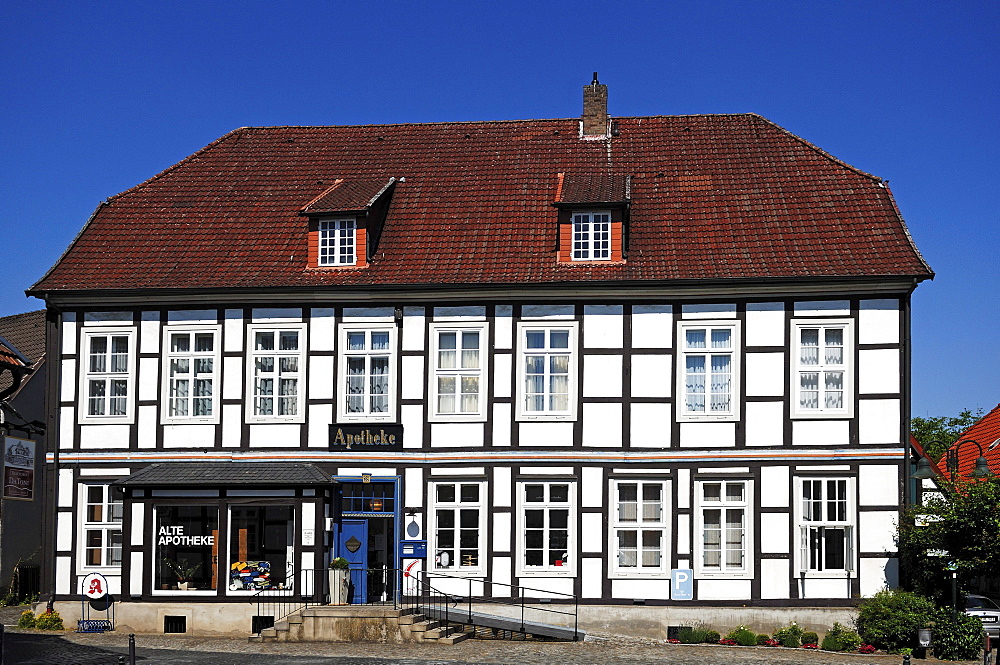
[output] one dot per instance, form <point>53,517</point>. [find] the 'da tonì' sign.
<point>18,469</point>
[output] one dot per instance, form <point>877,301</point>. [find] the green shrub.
<point>762,639</point>
<point>957,638</point>
<point>26,620</point>
<point>49,621</point>
<point>712,637</point>
<point>691,635</point>
<point>789,636</point>
<point>743,636</point>
<point>889,620</point>
<point>810,637</point>
<point>840,638</point>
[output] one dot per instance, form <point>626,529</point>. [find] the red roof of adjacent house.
<point>986,433</point>
<point>713,197</point>
<point>26,334</point>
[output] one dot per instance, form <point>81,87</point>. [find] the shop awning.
<point>228,474</point>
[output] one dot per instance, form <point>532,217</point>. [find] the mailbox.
<point>413,549</point>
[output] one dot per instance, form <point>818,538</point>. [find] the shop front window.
<point>260,547</point>
<point>187,548</point>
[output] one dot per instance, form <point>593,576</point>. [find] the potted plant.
<point>183,570</point>
<point>339,583</point>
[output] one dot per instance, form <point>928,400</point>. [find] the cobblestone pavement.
<point>38,648</point>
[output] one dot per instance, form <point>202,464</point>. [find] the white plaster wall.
<point>361,470</point>
<point>232,425</point>
<point>146,425</point>
<point>321,379</point>
<point>104,436</point>
<point>545,434</point>
<point>464,313</point>
<point>413,487</point>
<point>774,533</point>
<point>274,435</point>
<point>683,488</point>
<point>592,487</point>
<point>412,418</point>
<point>502,573</point>
<point>878,530</point>
<point>232,330</point>
<point>878,485</point>
<point>683,535</point>
<point>651,326</point>
<point>705,311</point>
<point>413,377</point>
<point>232,377</point>
<point>879,421</point>
<point>149,332</point>
<point>320,419</point>
<point>820,432</point>
<point>708,435</point>
<point>502,375</point>
<point>723,589</point>
<point>878,371</point>
<point>69,334</point>
<point>413,328</point>
<point>369,314</point>
<point>68,380</point>
<point>602,376</point>
<point>502,486</point>
<point>603,327</point>
<point>276,315</point>
<point>765,324</point>
<point>602,425</point>
<point>322,329</point>
<point>547,312</point>
<point>503,326</point>
<point>876,574</point>
<point>774,484</point>
<point>501,531</point>
<point>149,380</point>
<point>138,535</point>
<point>66,427</point>
<point>651,375</point>
<point>550,587</point>
<point>62,574</point>
<point>188,436</point>
<point>774,578</point>
<point>456,435</point>
<point>765,374</point>
<point>64,531</point>
<point>764,423</point>
<point>591,537</point>
<point>816,587</point>
<point>592,577</point>
<point>822,308</point>
<point>650,425</point>
<point>641,589</point>
<point>878,322</point>
<point>135,573</point>
<point>501,424</point>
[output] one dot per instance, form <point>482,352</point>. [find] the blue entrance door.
<point>352,544</point>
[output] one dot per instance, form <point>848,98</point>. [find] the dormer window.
<point>592,236</point>
<point>338,242</point>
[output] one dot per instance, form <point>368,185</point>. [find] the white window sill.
<point>543,417</point>
<point>549,572</point>
<point>692,418</point>
<point>828,574</point>
<point>257,420</point>
<point>453,418</point>
<point>821,415</point>
<point>107,420</point>
<point>723,576</point>
<point>446,573</point>
<point>190,421</point>
<point>636,575</point>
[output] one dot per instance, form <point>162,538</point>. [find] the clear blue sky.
<point>96,97</point>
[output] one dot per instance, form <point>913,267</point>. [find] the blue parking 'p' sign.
<point>681,584</point>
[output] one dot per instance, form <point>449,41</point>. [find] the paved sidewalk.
<point>41,648</point>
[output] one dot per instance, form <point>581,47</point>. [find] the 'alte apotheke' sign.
<point>373,438</point>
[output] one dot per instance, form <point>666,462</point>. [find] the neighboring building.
<point>571,354</point>
<point>22,398</point>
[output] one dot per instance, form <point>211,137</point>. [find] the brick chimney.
<point>595,108</point>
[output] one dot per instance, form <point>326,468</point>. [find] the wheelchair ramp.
<point>463,616</point>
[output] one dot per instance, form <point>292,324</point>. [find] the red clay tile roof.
<point>986,433</point>
<point>712,197</point>
<point>26,333</point>
<point>346,195</point>
<point>594,188</point>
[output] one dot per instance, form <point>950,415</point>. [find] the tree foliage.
<point>942,429</point>
<point>963,521</point>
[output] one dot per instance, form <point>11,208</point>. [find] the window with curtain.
<point>108,375</point>
<point>639,524</point>
<point>276,364</point>
<point>547,371</point>
<point>367,373</point>
<point>826,525</point>
<point>707,368</point>
<point>821,363</point>
<point>723,534</point>
<point>458,375</point>
<point>191,363</point>
<point>102,525</point>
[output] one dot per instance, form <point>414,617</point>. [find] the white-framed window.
<point>546,524</point>
<point>640,528</point>
<point>338,242</point>
<point>591,236</point>
<point>822,368</point>
<point>277,373</point>
<point>459,371</point>
<point>101,531</point>
<point>191,364</point>
<point>458,532</point>
<point>108,376</point>
<point>723,529</point>
<point>826,513</point>
<point>366,386</point>
<point>547,371</point>
<point>708,371</point>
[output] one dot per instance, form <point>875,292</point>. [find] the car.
<point>987,611</point>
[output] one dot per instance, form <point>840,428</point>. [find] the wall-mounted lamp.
<point>981,469</point>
